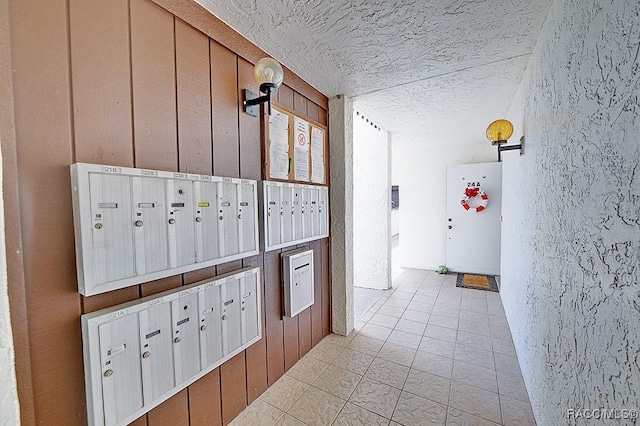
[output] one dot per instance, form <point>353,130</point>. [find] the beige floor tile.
<point>387,372</point>
<point>442,321</point>
<point>500,332</point>
<point>339,340</point>
<point>397,303</point>
<point>438,347</point>
<point>413,410</point>
<point>516,413</point>
<point>503,347</point>
<point>446,310</point>
<point>325,351</point>
<point>475,375</point>
<point>398,354</point>
<point>375,331</point>
<point>384,320</point>
<point>460,418</point>
<point>420,307</point>
<point>356,362</point>
<point>440,333</point>
<point>307,369</point>
<point>512,386</point>
<point>366,317</point>
<point>499,321</point>
<point>403,294</point>
<point>375,396</point>
<point>428,386</point>
<point>476,401</point>
<point>474,327</point>
<point>422,317</point>
<point>409,326</point>
<point>402,338</point>
<point>337,381</point>
<point>366,345</point>
<point>316,407</point>
<point>475,316</point>
<point>288,420</point>
<point>284,392</point>
<point>428,298</point>
<point>393,311</point>
<point>474,306</point>
<point>434,364</point>
<point>259,413</point>
<point>473,355</point>
<point>352,415</point>
<point>475,340</point>
<point>508,364</point>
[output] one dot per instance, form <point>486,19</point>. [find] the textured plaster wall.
<point>341,203</point>
<point>571,232</point>
<point>371,204</point>
<point>423,182</point>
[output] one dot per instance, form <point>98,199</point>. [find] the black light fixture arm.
<point>502,147</point>
<point>250,98</point>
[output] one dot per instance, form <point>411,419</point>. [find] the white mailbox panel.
<point>186,336</point>
<point>139,354</point>
<point>150,225</point>
<point>210,325</point>
<point>156,352</point>
<point>206,207</point>
<point>298,281</point>
<point>112,231</point>
<point>134,225</point>
<point>304,214</point>
<point>121,373</point>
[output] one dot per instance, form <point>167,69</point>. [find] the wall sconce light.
<point>499,132</point>
<point>269,75</point>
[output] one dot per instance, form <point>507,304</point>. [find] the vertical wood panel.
<point>205,408</point>
<point>313,111</point>
<point>316,308</point>
<point>158,286</point>
<point>140,421</point>
<point>291,344</point>
<point>300,104</point>
<point>285,96</point>
<point>273,313</point>
<point>40,54</point>
<point>112,298</point>
<point>322,118</point>
<point>101,81</point>
<point>225,268</point>
<point>224,92</point>
<point>199,275</point>
<point>250,158</point>
<point>256,354</point>
<point>154,88</point>
<point>194,99</point>
<point>174,411</point>
<point>304,332</point>
<point>326,289</point>
<point>233,377</point>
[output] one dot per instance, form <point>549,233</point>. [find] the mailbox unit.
<point>136,225</point>
<point>293,213</point>
<point>138,354</point>
<point>297,267</point>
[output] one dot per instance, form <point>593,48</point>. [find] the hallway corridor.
<point>427,353</point>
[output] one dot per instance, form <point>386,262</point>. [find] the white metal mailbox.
<point>139,354</point>
<point>292,214</point>
<point>297,269</point>
<point>135,225</point>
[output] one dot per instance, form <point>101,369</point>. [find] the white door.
<point>474,201</point>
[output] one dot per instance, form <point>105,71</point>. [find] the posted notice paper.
<point>278,145</point>
<point>317,155</point>
<point>301,151</point>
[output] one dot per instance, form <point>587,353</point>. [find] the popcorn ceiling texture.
<point>371,204</point>
<point>571,235</point>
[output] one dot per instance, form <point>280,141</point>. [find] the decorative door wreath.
<point>471,193</point>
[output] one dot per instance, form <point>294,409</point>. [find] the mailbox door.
<point>298,232</point>
<point>121,368</point>
<point>112,233</point>
<point>323,211</point>
<point>247,217</point>
<point>231,320</point>
<point>307,226</point>
<point>228,218</point>
<point>180,222</point>
<point>315,217</point>
<point>249,310</point>
<point>186,344</point>
<point>210,325</point>
<point>206,201</point>
<point>274,215</point>
<point>286,213</point>
<point>150,229</point>
<point>156,351</point>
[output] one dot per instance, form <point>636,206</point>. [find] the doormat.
<point>477,282</point>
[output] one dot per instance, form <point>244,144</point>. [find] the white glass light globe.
<point>268,70</point>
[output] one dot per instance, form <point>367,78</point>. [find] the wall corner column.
<point>341,166</point>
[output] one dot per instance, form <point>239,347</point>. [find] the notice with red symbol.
<point>301,149</point>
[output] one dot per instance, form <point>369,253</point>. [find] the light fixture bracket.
<point>252,101</point>
<point>502,147</point>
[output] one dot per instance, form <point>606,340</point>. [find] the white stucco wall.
<point>423,181</point>
<point>371,204</point>
<point>571,206</point>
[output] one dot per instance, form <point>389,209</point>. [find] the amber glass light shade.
<point>499,130</point>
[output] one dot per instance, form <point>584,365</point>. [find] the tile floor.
<point>427,353</point>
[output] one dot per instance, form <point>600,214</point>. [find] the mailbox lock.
<point>138,223</point>
<point>220,217</point>
<point>243,308</point>
<point>147,354</point>
<point>203,327</point>
<point>198,219</point>
<point>172,221</point>
<point>224,317</point>
<point>450,226</point>
<point>239,216</point>
<point>177,340</point>
<point>108,373</point>
<point>98,226</point>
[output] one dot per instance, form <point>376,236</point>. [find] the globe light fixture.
<point>269,75</point>
<point>499,133</point>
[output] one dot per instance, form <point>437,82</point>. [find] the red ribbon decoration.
<point>472,192</point>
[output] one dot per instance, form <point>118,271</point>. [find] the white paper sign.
<point>317,155</point>
<point>278,145</point>
<point>301,151</point>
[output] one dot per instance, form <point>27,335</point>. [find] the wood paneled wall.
<point>128,83</point>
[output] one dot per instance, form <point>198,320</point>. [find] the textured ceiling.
<point>463,56</point>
